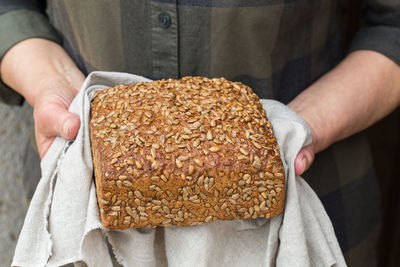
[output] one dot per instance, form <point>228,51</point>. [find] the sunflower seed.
<point>138,194</point>
<point>100,119</point>
<point>209,135</point>
<point>243,151</point>
<point>138,164</point>
<point>155,179</point>
<point>178,163</point>
<point>209,218</point>
<point>196,143</point>
<point>127,183</point>
<point>199,162</point>
<point>215,148</point>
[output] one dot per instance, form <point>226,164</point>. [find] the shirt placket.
<point>164,19</point>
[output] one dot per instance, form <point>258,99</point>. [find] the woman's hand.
<point>361,90</point>
<point>51,113</point>
<point>45,75</point>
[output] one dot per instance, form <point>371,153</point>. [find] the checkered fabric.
<point>278,47</point>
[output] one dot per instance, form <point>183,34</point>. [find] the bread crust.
<point>184,152</point>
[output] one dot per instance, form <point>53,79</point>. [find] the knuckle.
<point>42,113</point>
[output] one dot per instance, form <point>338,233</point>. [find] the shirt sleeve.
<point>20,20</point>
<point>382,30</point>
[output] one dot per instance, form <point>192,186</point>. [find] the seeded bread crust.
<point>184,152</point>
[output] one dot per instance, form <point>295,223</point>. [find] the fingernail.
<point>67,125</point>
<point>305,163</point>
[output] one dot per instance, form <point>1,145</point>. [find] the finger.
<point>70,126</point>
<point>53,119</point>
<point>304,160</point>
<point>43,144</point>
<point>59,123</point>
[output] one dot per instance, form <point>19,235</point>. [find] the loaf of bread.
<point>183,152</point>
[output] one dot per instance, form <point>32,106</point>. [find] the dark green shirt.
<point>277,47</point>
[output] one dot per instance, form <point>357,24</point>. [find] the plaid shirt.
<point>277,47</point>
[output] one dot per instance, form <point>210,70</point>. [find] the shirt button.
<point>165,20</point>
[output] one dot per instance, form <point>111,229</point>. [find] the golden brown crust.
<point>184,152</point>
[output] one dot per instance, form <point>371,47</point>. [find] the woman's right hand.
<point>42,72</point>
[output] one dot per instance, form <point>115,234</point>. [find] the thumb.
<point>69,124</point>
<point>53,119</point>
<point>304,159</point>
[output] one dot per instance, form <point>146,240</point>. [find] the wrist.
<point>317,122</point>
<point>319,134</point>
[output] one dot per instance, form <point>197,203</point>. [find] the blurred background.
<point>385,143</point>
<point>384,138</point>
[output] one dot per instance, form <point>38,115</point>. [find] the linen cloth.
<point>63,224</point>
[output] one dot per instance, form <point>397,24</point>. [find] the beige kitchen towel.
<point>63,225</point>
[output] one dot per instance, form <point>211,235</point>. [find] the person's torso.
<point>276,47</point>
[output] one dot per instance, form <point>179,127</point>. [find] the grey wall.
<point>15,131</point>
